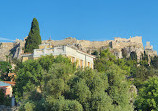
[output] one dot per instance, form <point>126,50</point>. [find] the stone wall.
<point>84,45</point>
<point>137,39</point>
<point>66,41</point>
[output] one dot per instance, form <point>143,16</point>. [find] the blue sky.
<point>83,19</point>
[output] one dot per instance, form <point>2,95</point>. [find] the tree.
<point>81,93</point>
<point>95,53</point>
<point>34,38</point>
<point>104,61</point>
<point>46,62</point>
<point>147,98</point>
<point>61,87</point>
<point>107,59</point>
<point>119,89</point>
<point>29,78</point>
<point>64,105</point>
<point>4,100</point>
<point>28,106</point>
<point>89,87</point>
<point>5,67</point>
<point>2,96</point>
<point>31,74</point>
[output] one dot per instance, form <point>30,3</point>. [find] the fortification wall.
<point>84,45</point>
<point>119,39</point>
<point>79,43</point>
<point>93,44</point>
<point>137,39</point>
<point>66,41</point>
<point>126,44</point>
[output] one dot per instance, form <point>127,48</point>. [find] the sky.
<point>94,20</point>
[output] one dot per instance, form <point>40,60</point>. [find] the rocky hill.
<point>119,46</point>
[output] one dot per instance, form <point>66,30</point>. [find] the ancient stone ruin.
<point>149,50</point>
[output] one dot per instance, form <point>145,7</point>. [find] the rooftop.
<point>9,82</point>
<point>4,84</point>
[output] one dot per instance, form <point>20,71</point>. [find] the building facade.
<point>81,58</point>
<point>7,87</point>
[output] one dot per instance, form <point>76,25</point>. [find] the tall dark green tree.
<point>34,38</point>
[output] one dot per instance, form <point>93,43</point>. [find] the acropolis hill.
<point>118,46</point>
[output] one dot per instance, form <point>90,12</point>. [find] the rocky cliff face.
<point>119,46</point>
<point>11,49</point>
<point>5,50</point>
<point>127,45</point>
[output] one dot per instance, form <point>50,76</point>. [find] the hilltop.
<point>120,47</point>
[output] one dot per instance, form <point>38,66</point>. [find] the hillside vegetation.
<point>55,84</point>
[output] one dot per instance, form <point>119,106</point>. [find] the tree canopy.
<point>5,67</point>
<point>147,99</point>
<point>55,84</point>
<point>34,38</point>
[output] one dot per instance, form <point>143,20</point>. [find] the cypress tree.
<point>34,38</point>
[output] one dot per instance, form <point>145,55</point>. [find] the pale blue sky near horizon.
<point>94,20</point>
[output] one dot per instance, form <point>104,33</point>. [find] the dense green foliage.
<point>147,99</point>
<point>107,59</point>
<point>96,53</point>
<point>138,73</point>
<point>5,67</point>
<point>54,84</point>
<point>145,79</point>
<point>34,38</point>
<point>4,100</point>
